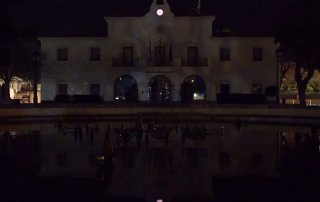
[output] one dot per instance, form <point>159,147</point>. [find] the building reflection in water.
<point>149,160</point>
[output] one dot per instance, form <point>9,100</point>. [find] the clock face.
<point>159,12</point>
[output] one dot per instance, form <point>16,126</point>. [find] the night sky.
<point>85,17</point>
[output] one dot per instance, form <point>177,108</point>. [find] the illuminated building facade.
<point>157,57</point>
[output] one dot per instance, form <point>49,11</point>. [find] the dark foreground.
<point>225,190</point>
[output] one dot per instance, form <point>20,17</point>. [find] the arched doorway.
<point>160,89</point>
<point>193,88</point>
<point>126,89</point>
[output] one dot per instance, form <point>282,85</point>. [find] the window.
<point>95,54</point>
<point>62,54</point>
<point>257,54</point>
<point>159,2</point>
<point>63,89</point>
<point>95,89</point>
<point>159,55</point>
<point>193,56</point>
<point>61,159</point>
<point>128,56</point>
<point>224,54</point>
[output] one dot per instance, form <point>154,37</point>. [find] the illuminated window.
<point>257,54</point>
<point>62,54</point>
<point>225,54</point>
<point>95,54</point>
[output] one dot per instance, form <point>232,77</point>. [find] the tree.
<point>298,33</point>
<point>17,48</point>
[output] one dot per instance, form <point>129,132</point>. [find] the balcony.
<point>124,62</point>
<point>159,62</point>
<point>194,62</point>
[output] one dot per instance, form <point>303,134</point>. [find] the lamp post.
<point>36,60</point>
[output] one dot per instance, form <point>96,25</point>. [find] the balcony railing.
<point>159,62</point>
<point>122,62</point>
<point>197,62</point>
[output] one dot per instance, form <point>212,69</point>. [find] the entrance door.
<point>160,89</point>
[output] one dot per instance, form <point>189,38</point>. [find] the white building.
<point>159,52</point>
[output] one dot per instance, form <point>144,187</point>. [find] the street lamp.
<point>36,61</point>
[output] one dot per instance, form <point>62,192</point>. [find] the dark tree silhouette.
<point>298,33</point>
<point>17,48</point>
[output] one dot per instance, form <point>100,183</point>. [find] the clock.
<point>159,12</point>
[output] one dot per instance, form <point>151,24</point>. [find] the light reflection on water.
<point>169,159</point>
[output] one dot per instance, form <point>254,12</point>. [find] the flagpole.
<point>150,54</point>
<point>170,52</point>
<point>199,7</point>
